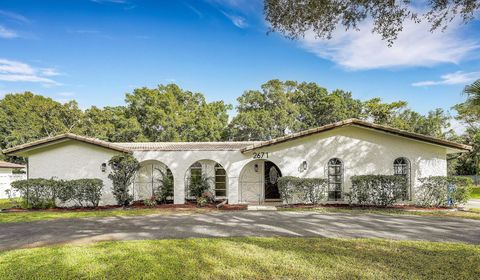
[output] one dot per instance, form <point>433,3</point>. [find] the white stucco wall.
<point>362,151</point>
<point>6,178</point>
<point>73,160</point>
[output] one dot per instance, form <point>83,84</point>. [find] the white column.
<point>232,190</point>
<point>179,188</point>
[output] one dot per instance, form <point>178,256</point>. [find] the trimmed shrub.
<point>309,190</point>
<point>124,167</point>
<point>81,192</point>
<point>42,193</point>
<point>37,193</point>
<point>435,191</point>
<point>377,190</point>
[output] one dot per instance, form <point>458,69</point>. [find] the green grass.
<point>246,258</point>
<point>471,214</point>
<point>476,193</point>
<point>17,217</point>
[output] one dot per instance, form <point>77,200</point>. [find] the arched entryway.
<point>150,178</point>
<point>258,182</point>
<point>207,172</point>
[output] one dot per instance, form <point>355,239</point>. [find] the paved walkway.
<point>238,223</point>
<point>473,203</point>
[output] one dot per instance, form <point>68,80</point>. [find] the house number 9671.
<point>260,155</point>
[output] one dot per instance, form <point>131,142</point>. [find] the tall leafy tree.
<point>294,18</point>
<point>469,114</point>
<point>26,117</point>
<point>168,113</point>
<point>111,124</point>
<point>317,107</point>
<point>266,113</point>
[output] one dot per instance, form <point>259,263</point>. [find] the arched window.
<point>220,181</point>
<point>401,167</point>
<point>335,179</point>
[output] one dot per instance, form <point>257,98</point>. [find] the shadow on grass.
<point>247,258</point>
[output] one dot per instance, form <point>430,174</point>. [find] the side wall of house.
<point>73,160</point>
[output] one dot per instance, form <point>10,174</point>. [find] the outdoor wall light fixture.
<point>304,165</point>
<point>103,167</point>
<point>255,167</point>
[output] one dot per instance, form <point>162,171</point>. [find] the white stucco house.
<point>7,176</point>
<point>246,172</point>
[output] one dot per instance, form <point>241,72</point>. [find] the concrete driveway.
<point>238,223</point>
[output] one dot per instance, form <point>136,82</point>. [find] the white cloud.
<point>455,78</point>
<point>415,46</point>
<point>238,21</point>
<point>7,33</point>
<point>66,93</point>
<point>50,72</point>
<point>15,71</point>
<point>14,16</point>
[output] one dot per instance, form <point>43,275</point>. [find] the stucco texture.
<point>362,151</point>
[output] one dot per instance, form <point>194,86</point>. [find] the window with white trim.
<point>220,181</point>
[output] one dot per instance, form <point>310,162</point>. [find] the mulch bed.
<point>363,207</point>
<point>135,205</point>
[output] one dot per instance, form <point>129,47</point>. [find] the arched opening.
<point>401,167</point>
<point>153,178</point>
<point>258,182</point>
<point>335,179</point>
<point>206,176</point>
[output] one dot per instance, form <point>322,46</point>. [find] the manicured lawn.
<point>17,217</point>
<point>471,214</point>
<point>476,193</point>
<point>246,258</point>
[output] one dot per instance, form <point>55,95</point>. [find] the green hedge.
<point>310,190</point>
<point>434,191</point>
<point>37,193</point>
<point>377,190</point>
<point>42,193</point>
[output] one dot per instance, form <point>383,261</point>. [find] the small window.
<point>401,167</point>
<point>196,171</point>
<point>335,179</point>
<point>220,181</point>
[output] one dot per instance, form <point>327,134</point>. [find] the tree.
<point>168,113</point>
<point>266,113</point>
<point>469,114</point>
<point>111,124</point>
<point>317,107</point>
<point>124,167</point>
<point>294,18</point>
<point>26,117</point>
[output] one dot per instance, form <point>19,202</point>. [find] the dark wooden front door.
<point>271,175</point>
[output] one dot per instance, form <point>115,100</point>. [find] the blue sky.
<point>97,50</point>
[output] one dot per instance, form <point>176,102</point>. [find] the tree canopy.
<point>276,108</point>
<point>294,18</point>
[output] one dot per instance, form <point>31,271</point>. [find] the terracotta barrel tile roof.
<point>4,164</point>
<point>187,146</point>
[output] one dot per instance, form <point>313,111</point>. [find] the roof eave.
<point>355,122</point>
<point>24,148</point>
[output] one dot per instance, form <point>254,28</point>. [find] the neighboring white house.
<point>7,176</point>
<point>246,172</point>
